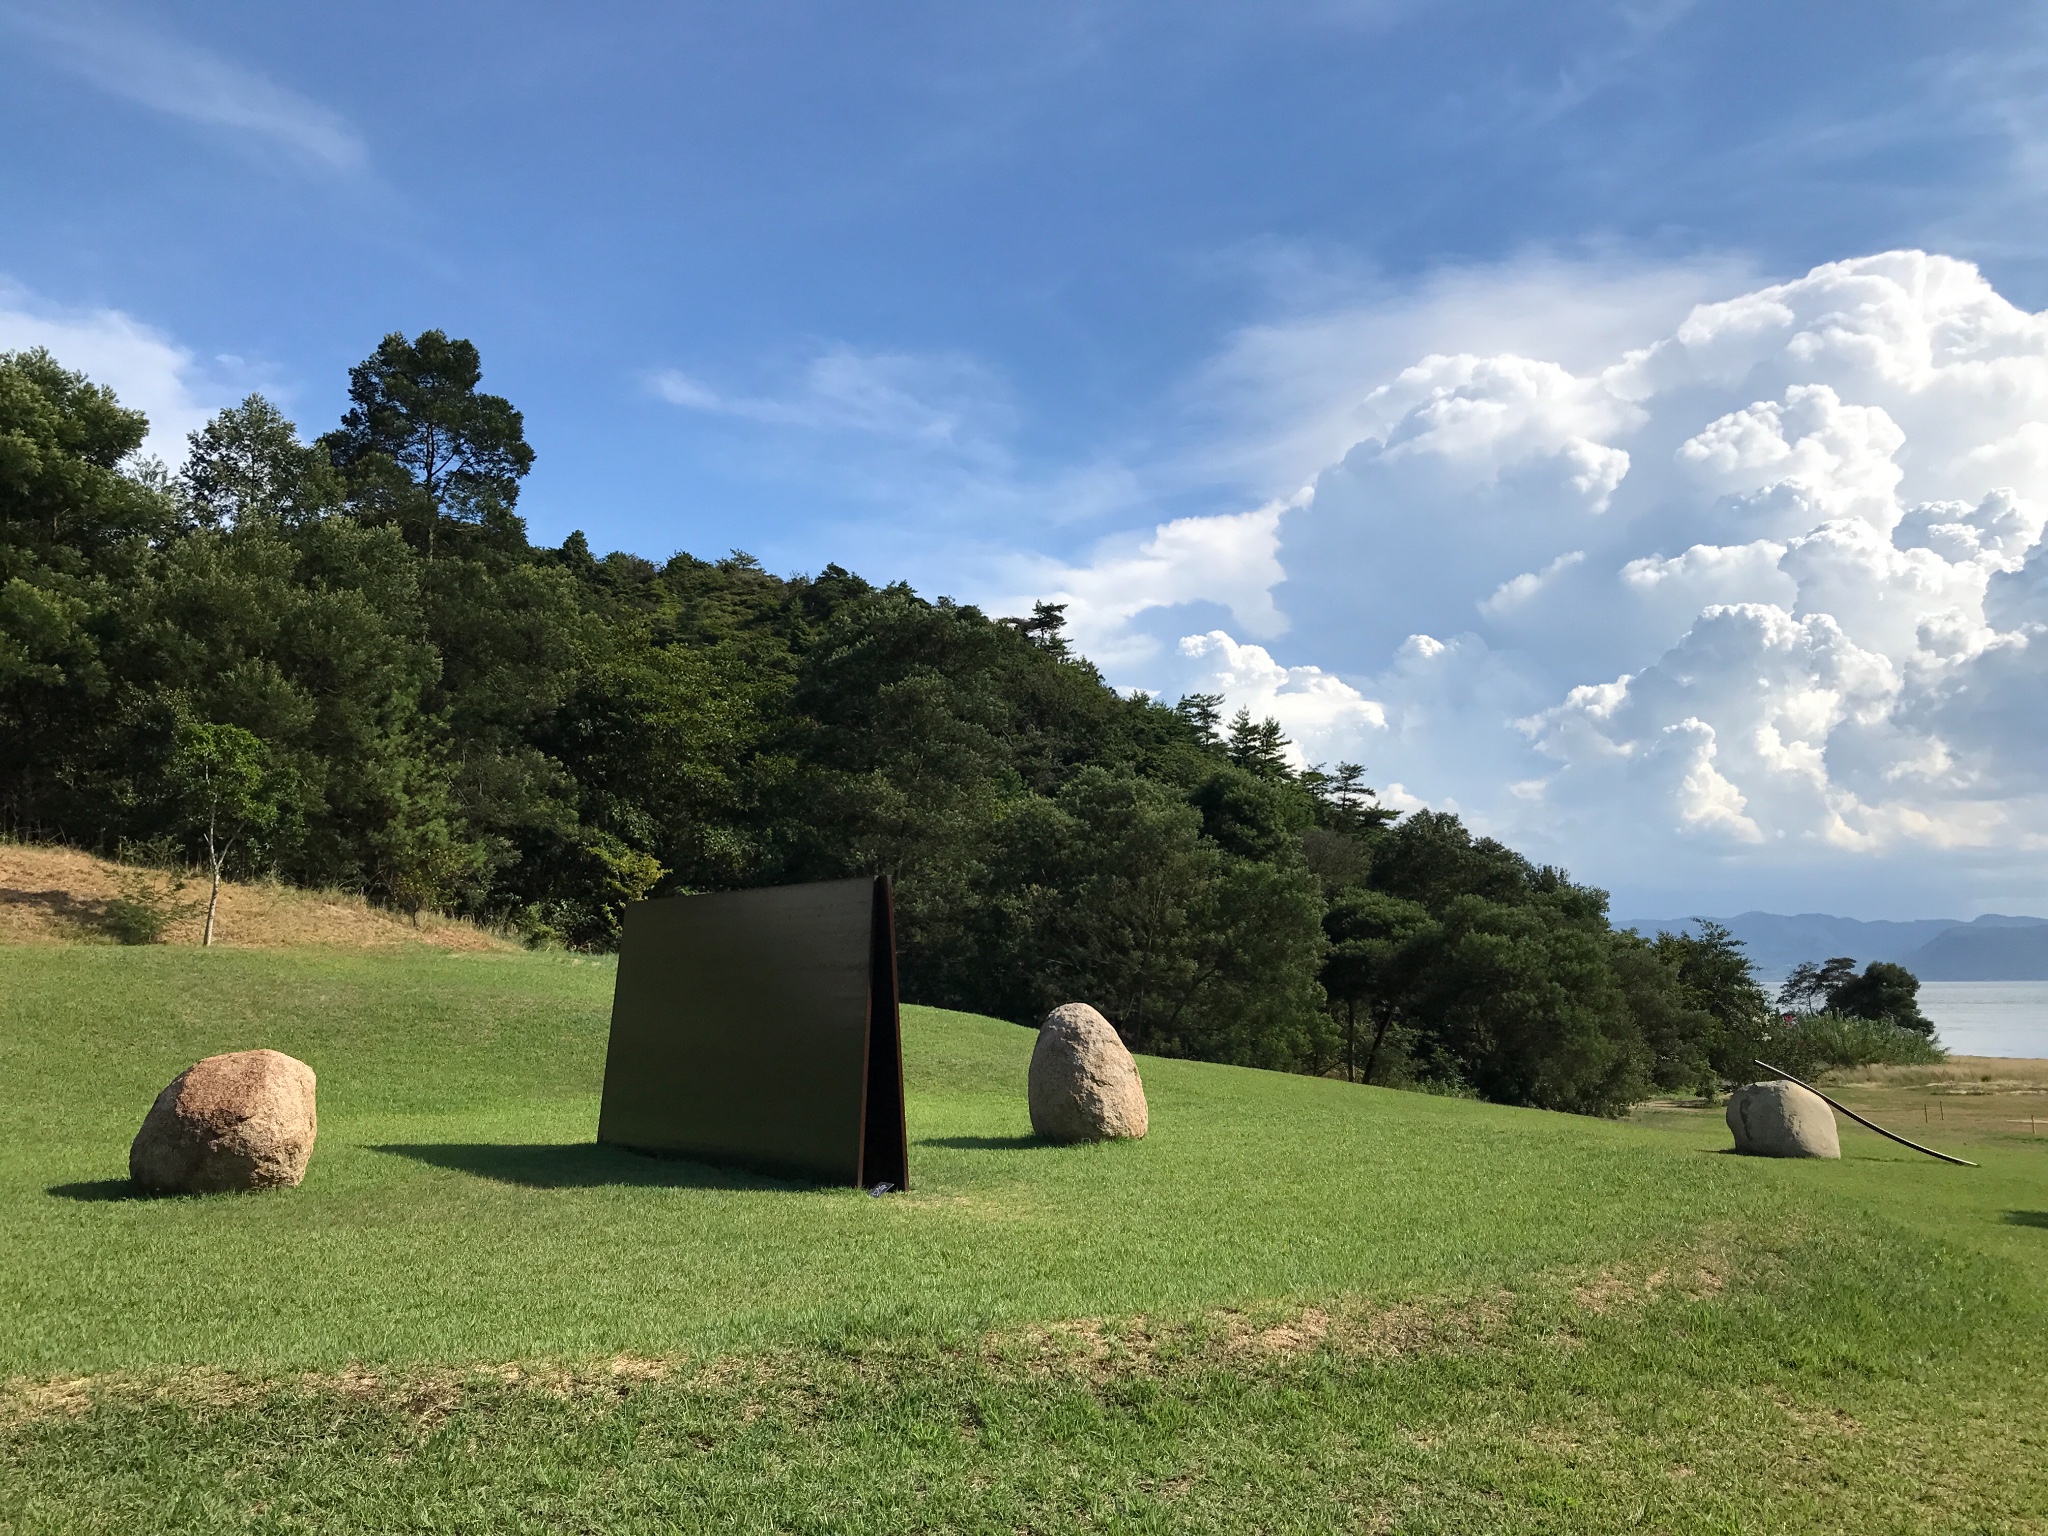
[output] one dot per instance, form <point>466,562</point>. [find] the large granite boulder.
<point>1084,1085</point>
<point>240,1121</point>
<point>1782,1120</point>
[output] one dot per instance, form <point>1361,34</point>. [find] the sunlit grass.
<point>1460,1316</point>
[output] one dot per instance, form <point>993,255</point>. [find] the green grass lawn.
<point>1296,1306</point>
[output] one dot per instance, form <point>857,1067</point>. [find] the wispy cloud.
<point>133,58</point>
<point>929,446</point>
<point>946,402</point>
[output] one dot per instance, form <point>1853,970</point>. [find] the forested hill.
<point>343,662</point>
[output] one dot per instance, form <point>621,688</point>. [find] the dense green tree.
<point>247,465</point>
<point>1045,628</point>
<point>1122,901</point>
<point>1717,980</point>
<point>76,534</point>
<point>1521,1003</point>
<point>1674,1031</point>
<point>1378,947</point>
<point>307,630</point>
<point>1499,976</point>
<point>1252,815</point>
<point>1201,713</point>
<point>1430,857</point>
<point>1258,747</point>
<point>1884,991</point>
<point>1811,984</point>
<point>1348,821</point>
<point>67,510</point>
<point>1345,803</point>
<point>421,446</point>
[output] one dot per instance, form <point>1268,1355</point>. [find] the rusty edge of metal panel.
<point>885,1132</point>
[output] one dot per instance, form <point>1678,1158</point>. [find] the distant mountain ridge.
<point>1994,953</point>
<point>1994,947</point>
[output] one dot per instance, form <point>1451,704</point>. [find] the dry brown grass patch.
<point>1959,1074</point>
<point>1100,1349</point>
<point>1817,1418</point>
<point>1628,1288</point>
<point>797,1381</point>
<point>1089,1349</point>
<point>53,895</point>
<point>23,1401</point>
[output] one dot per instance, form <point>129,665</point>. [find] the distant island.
<point>1990,948</point>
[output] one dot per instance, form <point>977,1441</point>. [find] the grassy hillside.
<point>1298,1305</point>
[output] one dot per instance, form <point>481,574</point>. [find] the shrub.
<point>1815,1042</point>
<point>145,909</point>
<point>134,920</point>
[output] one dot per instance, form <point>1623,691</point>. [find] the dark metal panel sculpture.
<point>760,1028</point>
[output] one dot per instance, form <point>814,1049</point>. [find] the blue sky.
<point>984,296</point>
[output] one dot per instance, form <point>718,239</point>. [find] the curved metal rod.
<point>1871,1124</point>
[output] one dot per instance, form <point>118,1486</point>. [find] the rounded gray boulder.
<point>1084,1085</point>
<point>244,1120</point>
<point>1782,1120</point>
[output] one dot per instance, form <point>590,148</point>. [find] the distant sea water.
<point>1988,1018</point>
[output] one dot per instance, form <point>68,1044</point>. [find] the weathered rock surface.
<point>1782,1120</point>
<point>1084,1085</point>
<point>240,1121</point>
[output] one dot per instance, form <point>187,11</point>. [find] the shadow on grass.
<point>579,1165</point>
<point>987,1143</point>
<point>99,1189</point>
<point>2026,1218</point>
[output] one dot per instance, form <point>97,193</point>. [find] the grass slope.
<point>1298,1305</point>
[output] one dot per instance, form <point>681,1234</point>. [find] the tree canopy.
<point>1884,991</point>
<point>431,709</point>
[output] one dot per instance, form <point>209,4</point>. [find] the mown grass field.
<point>1297,1306</point>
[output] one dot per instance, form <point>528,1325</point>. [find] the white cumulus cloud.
<point>1323,714</point>
<point>1226,561</point>
<point>1755,609</point>
<point>149,371</point>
